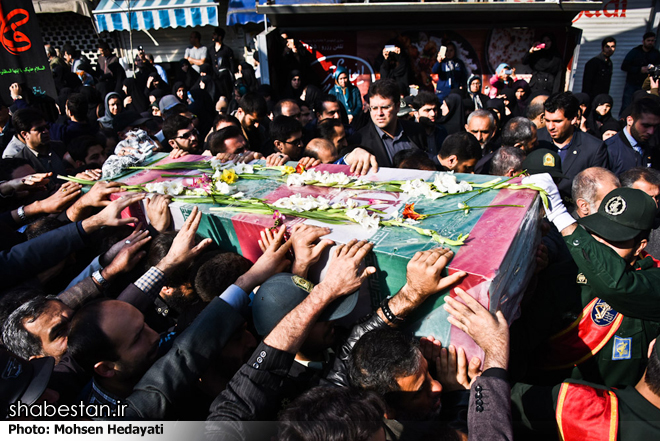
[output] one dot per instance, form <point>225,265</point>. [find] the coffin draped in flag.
<point>124,15</point>
<point>498,256</point>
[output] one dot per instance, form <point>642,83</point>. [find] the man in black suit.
<point>630,147</point>
<point>577,150</point>
<point>386,134</point>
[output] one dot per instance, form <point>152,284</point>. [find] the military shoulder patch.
<point>302,283</point>
<point>602,314</point>
<point>622,348</point>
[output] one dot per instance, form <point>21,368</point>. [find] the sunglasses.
<point>187,135</point>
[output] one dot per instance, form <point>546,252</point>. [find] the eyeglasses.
<point>383,108</point>
<point>187,135</point>
<point>298,141</point>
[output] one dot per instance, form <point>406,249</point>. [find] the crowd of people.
<point>155,324</point>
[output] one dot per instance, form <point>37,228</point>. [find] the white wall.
<point>626,21</point>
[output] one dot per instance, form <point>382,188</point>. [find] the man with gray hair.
<point>590,187</point>
<point>535,111</point>
<point>481,123</point>
<point>507,161</point>
<point>520,132</point>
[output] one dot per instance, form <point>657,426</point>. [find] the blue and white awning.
<point>122,15</point>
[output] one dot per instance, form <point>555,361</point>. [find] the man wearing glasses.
<point>181,135</point>
<point>287,136</point>
<point>387,135</point>
<point>43,154</point>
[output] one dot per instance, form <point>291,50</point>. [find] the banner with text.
<point>22,55</point>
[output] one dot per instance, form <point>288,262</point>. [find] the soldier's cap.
<point>21,379</point>
<point>543,161</point>
<point>280,294</point>
<point>622,215</point>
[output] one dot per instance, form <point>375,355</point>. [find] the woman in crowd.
<point>547,66</point>
<point>601,113</point>
<point>346,93</point>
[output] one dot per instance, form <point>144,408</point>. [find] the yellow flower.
<point>229,176</point>
<point>287,170</point>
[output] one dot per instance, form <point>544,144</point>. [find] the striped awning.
<point>122,15</point>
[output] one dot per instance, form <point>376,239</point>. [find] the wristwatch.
<point>387,312</point>
<point>98,278</point>
<point>21,213</point>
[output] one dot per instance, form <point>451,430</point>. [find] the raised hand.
<point>184,249</point>
<point>489,331</point>
<point>158,211</point>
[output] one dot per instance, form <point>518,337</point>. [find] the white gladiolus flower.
<point>222,187</point>
<point>175,189</point>
<point>217,175</point>
<point>361,216</point>
<point>350,203</point>
<point>283,203</point>
<point>158,187</point>
<point>323,203</point>
<point>464,186</point>
<point>199,192</point>
<point>295,180</point>
<point>215,163</point>
<point>243,168</point>
<point>239,195</point>
<point>447,183</point>
<point>418,187</point>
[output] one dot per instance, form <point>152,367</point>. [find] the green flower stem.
<point>76,180</point>
<point>469,207</point>
<point>460,240</point>
<point>493,186</point>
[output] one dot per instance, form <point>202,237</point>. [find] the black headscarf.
<point>249,78</point>
<point>524,85</point>
<point>454,121</point>
<point>140,103</point>
<point>312,95</point>
<point>513,102</point>
<point>497,104</point>
<point>289,91</point>
<point>596,121</point>
<point>178,85</point>
<point>189,77</point>
<point>612,124</point>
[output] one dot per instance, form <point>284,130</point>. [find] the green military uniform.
<point>636,418</point>
<point>633,291</point>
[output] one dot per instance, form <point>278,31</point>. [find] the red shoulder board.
<point>585,413</point>
<point>644,255</point>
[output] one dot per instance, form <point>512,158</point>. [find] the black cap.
<point>622,215</point>
<point>127,118</point>
<point>280,294</point>
<point>543,161</point>
<point>21,379</point>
